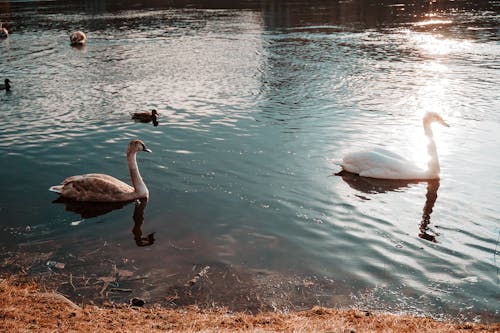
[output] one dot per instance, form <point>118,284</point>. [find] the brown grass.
<point>23,307</point>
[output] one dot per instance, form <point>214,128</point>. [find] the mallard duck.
<point>77,38</point>
<point>383,164</point>
<point>5,86</point>
<point>146,117</point>
<point>95,187</point>
<point>4,33</point>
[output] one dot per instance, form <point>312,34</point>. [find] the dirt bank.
<point>24,307</point>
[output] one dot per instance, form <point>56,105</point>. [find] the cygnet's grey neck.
<point>135,176</point>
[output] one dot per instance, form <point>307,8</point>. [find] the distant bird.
<point>4,33</point>
<point>96,187</point>
<point>5,86</point>
<point>146,117</point>
<point>77,38</point>
<point>383,164</point>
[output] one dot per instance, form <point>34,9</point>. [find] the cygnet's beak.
<point>147,149</point>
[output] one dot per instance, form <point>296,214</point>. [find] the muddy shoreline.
<point>24,306</point>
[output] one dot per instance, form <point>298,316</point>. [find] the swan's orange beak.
<point>442,122</point>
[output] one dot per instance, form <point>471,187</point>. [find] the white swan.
<point>78,38</point>
<point>383,164</point>
<point>95,187</point>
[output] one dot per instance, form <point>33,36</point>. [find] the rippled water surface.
<point>257,101</point>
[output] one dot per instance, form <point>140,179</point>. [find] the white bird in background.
<point>383,164</point>
<point>95,187</point>
<point>77,38</point>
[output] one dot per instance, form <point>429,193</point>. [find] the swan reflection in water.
<point>373,186</point>
<point>93,209</point>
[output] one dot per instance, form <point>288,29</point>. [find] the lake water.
<point>257,100</point>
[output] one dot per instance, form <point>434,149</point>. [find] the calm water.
<point>257,101</point>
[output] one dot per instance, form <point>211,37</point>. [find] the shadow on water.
<point>93,209</point>
<point>374,186</point>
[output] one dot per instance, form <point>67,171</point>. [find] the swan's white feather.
<point>380,163</point>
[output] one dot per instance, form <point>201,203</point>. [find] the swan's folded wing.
<point>380,163</point>
<point>95,183</point>
<point>388,153</point>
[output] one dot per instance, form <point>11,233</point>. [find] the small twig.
<point>123,290</point>
<point>71,281</point>
<point>106,284</point>
<point>198,275</point>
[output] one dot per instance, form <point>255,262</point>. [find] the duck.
<point>96,187</point>
<point>78,38</point>
<point>383,164</point>
<point>4,33</point>
<point>6,85</point>
<point>146,117</point>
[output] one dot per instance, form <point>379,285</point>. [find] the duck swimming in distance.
<point>383,164</point>
<point>6,85</point>
<point>95,187</point>
<point>146,117</point>
<point>4,33</point>
<point>77,38</point>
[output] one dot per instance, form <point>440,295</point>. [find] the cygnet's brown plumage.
<point>6,85</point>
<point>95,187</point>
<point>146,117</point>
<point>77,38</point>
<point>4,33</point>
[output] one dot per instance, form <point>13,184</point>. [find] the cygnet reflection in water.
<point>89,209</point>
<point>140,205</point>
<point>374,186</point>
<point>93,209</point>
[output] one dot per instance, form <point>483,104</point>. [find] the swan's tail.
<point>57,189</point>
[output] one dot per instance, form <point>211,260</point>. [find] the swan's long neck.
<point>135,175</point>
<point>433,164</point>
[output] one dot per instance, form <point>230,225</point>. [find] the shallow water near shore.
<point>257,101</point>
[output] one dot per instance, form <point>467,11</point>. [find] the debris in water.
<point>137,302</point>
<point>55,264</point>
<point>123,290</point>
<point>75,223</point>
<point>198,275</point>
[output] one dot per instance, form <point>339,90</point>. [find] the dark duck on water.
<point>6,85</point>
<point>146,117</point>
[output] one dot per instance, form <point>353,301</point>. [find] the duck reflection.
<point>373,186</point>
<point>93,209</point>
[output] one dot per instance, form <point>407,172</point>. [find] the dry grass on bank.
<point>25,308</point>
